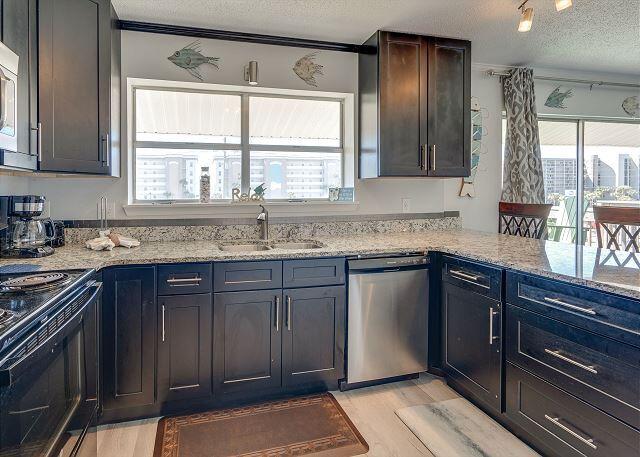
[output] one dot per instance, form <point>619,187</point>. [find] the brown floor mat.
<point>314,424</point>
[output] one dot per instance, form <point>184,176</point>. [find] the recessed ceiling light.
<point>563,4</point>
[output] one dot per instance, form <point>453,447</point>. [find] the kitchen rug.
<point>457,428</point>
<point>309,425</point>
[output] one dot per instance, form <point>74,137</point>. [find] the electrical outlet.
<point>406,205</point>
<point>111,210</point>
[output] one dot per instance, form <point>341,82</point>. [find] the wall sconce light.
<point>563,4</point>
<point>251,73</point>
<point>526,18</point>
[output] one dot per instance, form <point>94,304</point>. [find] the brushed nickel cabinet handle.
<point>163,323</point>
<point>182,282</point>
<point>104,147</point>
<point>423,157</point>
<point>288,313</point>
<point>556,301</point>
<point>556,421</point>
<point>556,353</point>
<point>464,275</point>
<point>492,338</point>
<point>433,159</point>
<point>277,313</point>
<point>38,130</point>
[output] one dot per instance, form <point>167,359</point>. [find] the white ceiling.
<point>593,35</point>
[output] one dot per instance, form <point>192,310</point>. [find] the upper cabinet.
<point>415,95</point>
<point>74,85</point>
<point>69,84</point>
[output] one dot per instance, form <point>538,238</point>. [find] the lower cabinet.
<point>313,335</point>
<point>184,347</point>
<point>129,337</point>
<point>247,328</point>
<point>471,343</point>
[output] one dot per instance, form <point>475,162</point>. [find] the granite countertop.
<point>611,271</point>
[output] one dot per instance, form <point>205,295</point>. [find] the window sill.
<point>227,209</point>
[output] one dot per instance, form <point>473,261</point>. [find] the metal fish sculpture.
<point>631,106</point>
<point>190,58</point>
<point>556,98</point>
<point>307,69</point>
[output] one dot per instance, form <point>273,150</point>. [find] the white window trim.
<point>187,207</point>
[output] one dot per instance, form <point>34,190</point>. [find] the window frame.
<point>245,147</point>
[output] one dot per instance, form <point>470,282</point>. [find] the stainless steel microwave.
<point>8,99</point>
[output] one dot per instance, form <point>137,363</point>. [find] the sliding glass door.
<point>588,163</point>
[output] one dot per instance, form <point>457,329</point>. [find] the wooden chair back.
<point>618,227</point>
<point>528,220</point>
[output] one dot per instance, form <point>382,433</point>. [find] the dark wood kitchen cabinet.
<point>247,328</point>
<point>129,337</point>
<point>184,347</point>
<point>471,333</point>
<point>313,340</point>
<point>415,96</point>
<point>78,87</point>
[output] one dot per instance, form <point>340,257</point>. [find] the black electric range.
<point>49,346</point>
<point>26,297</point>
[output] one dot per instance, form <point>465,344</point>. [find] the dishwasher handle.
<point>386,264</point>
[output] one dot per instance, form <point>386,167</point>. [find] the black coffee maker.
<point>24,235</point>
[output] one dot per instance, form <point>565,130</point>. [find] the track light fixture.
<point>526,14</point>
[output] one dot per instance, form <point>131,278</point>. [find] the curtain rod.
<point>569,80</point>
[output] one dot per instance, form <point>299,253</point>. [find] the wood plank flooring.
<point>372,410</point>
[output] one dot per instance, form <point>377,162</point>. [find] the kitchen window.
<point>293,143</point>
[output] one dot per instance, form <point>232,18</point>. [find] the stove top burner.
<point>4,316</point>
<point>35,282</point>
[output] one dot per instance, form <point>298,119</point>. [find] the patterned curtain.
<point>522,180</point>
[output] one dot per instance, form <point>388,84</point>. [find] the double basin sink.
<point>252,246</point>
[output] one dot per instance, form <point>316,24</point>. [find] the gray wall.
<point>145,56</point>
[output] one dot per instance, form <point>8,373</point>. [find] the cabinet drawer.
<point>236,276</point>
<point>591,367</point>
<point>606,314</point>
<point>479,278</point>
<point>189,278</point>
<point>563,423</point>
<point>313,272</point>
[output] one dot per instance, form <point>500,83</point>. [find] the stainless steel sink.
<point>244,247</point>
<point>297,245</point>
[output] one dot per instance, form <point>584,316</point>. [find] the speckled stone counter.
<point>612,271</point>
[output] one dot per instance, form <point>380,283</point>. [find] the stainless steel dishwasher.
<point>387,318</point>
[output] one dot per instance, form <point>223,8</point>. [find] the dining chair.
<point>618,227</point>
<point>528,220</point>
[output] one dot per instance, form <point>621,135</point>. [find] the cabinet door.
<point>17,34</point>
<point>449,107</point>
<point>471,342</point>
<point>184,347</point>
<point>401,110</point>
<point>129,337</point>
<point>247,330</point>
<point>74,82</point>
<point>314,334</point>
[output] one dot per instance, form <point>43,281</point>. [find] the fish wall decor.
<point>306,69</point>
<point>190,58</point>
<point>468,189</point>
<point>557,97</point>
<point>631,106</point>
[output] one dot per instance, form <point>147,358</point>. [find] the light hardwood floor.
<point>372,410</point>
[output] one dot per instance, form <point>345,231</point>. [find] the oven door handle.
<point>13,365</point>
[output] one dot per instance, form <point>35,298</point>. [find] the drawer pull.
<point>555,301</point>
<point>557,354</point>
<point>468,277</point>
<point>556,421</point>
<point>183,282</point>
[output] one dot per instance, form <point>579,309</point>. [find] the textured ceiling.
<point>593,35</point>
